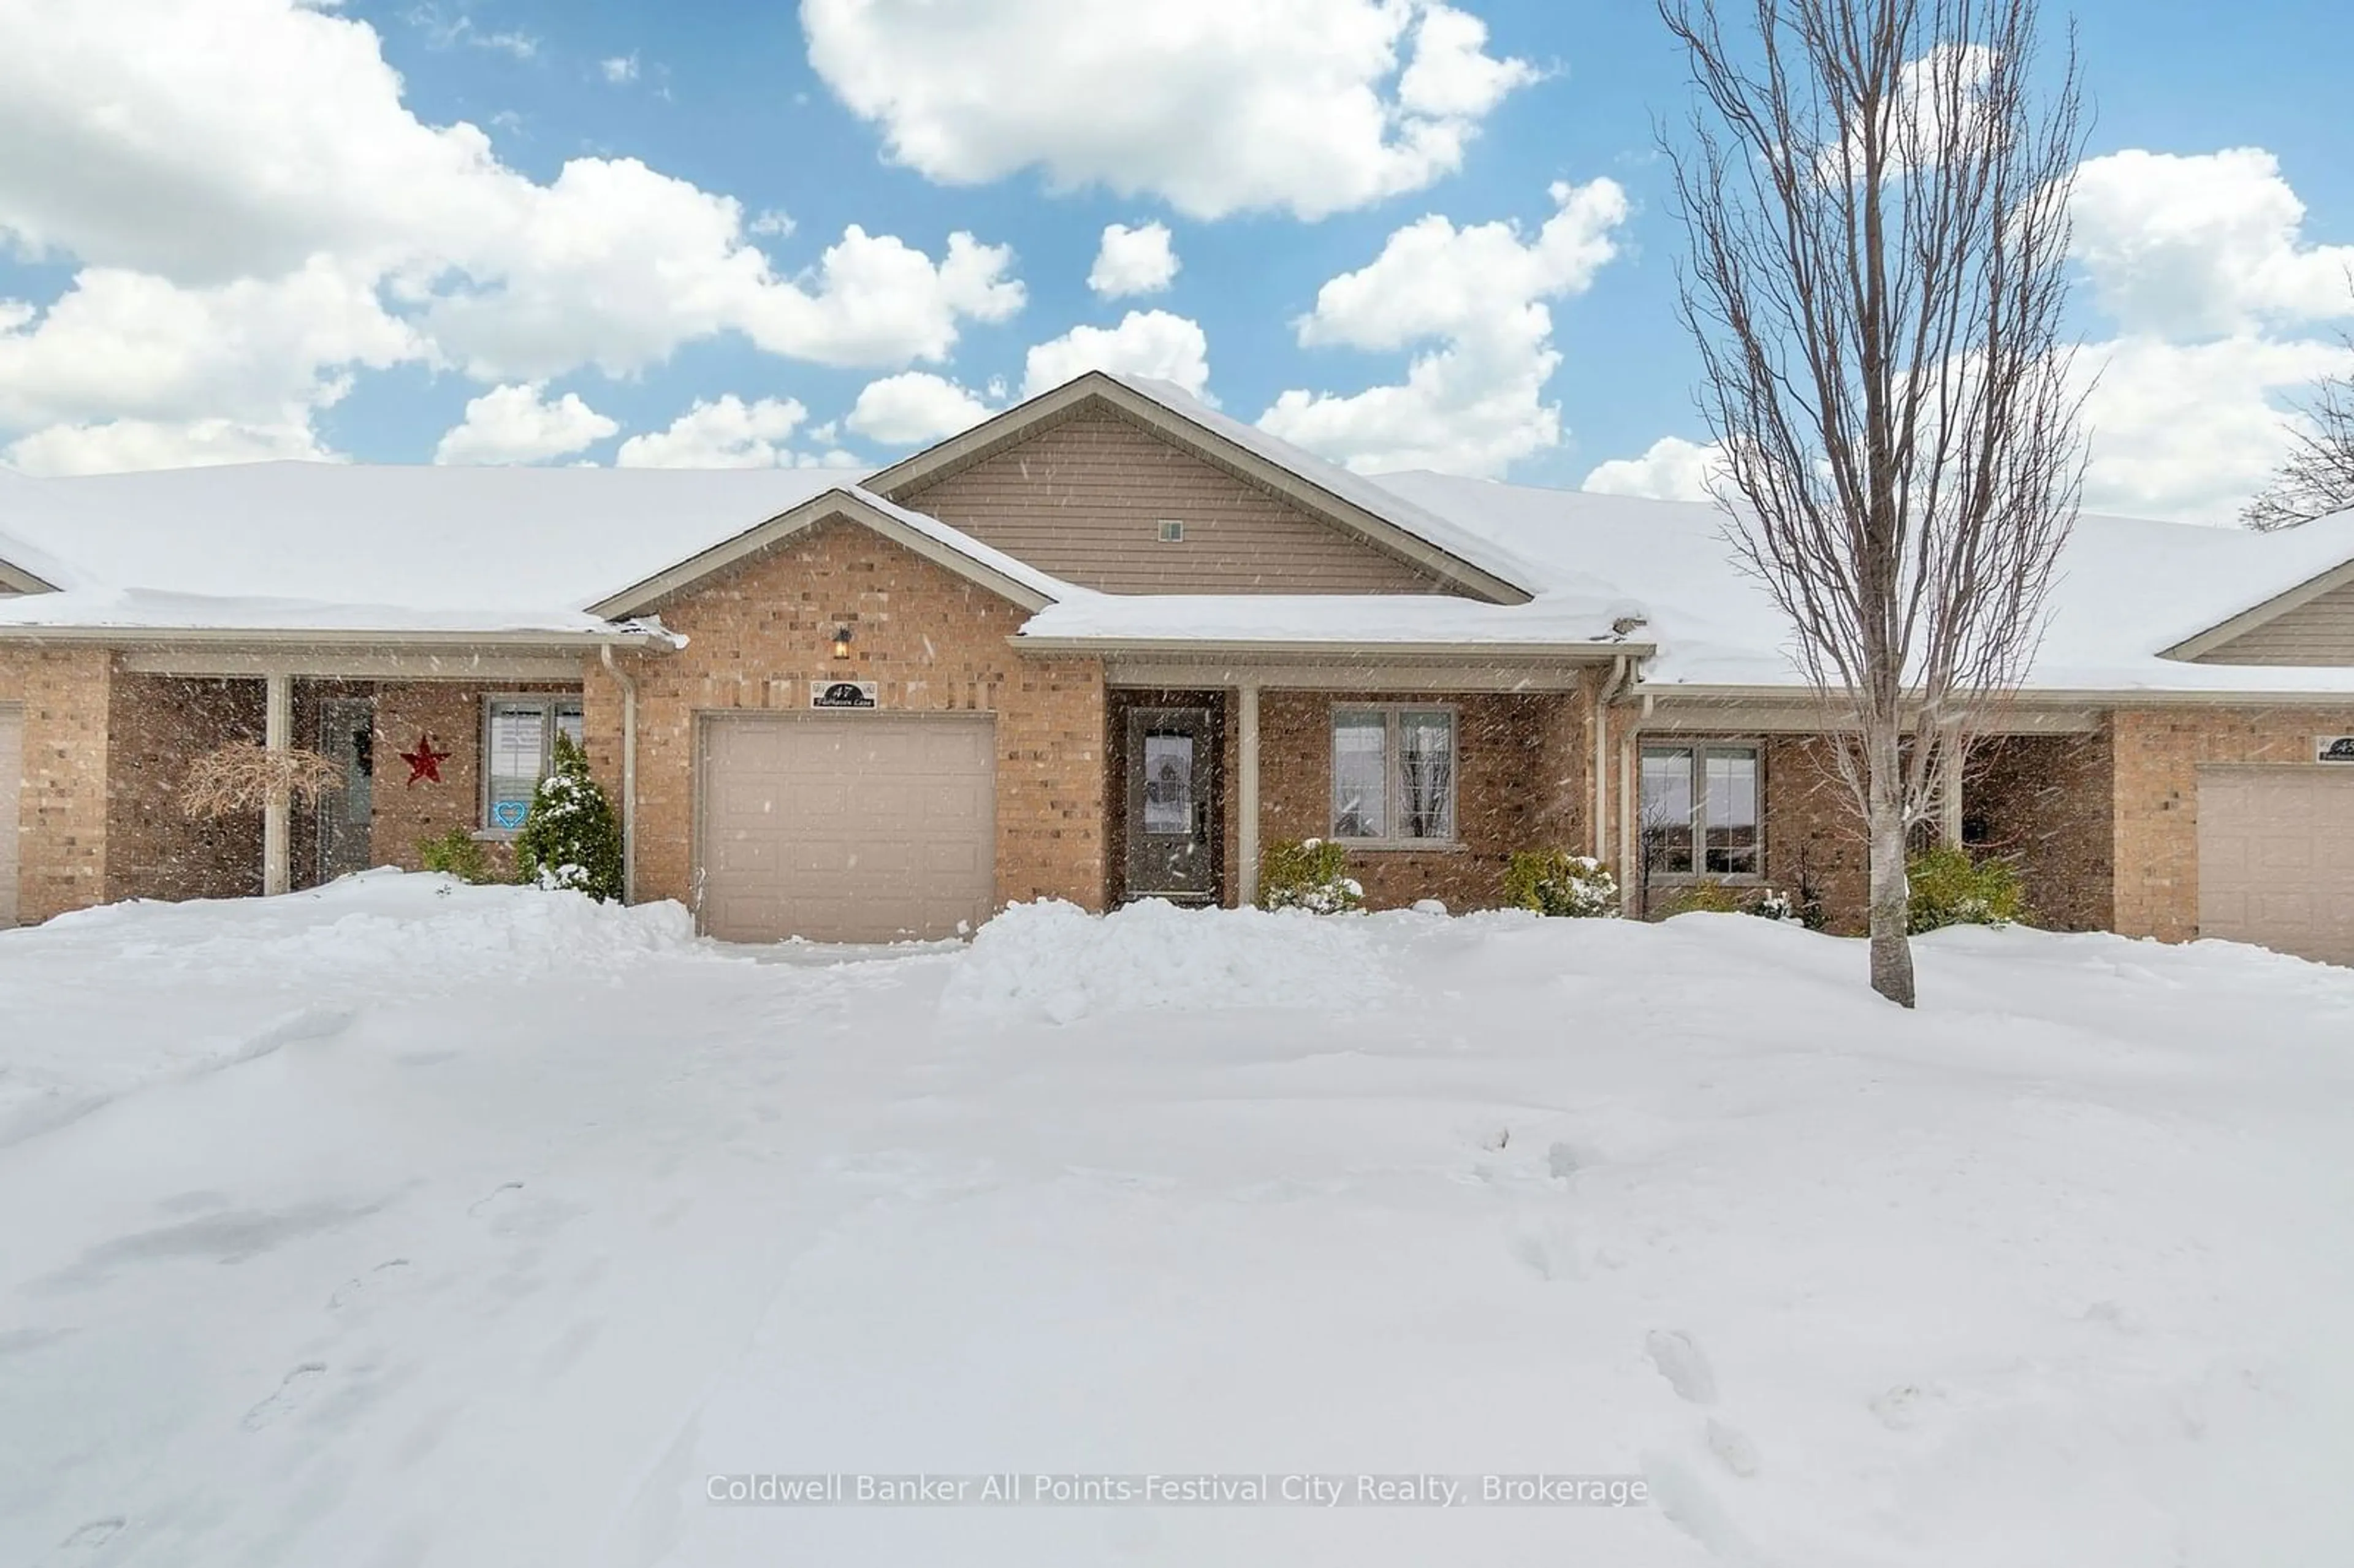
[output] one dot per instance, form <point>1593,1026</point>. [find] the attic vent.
<point>1172,531</point>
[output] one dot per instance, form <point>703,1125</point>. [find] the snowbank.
<point>1054,960</point>
<point>433,929</point>
<point>495,1227</point>
<point>164,989</point>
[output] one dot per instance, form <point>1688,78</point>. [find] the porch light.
<point>841,642</point>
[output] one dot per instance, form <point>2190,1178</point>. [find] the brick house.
<point>1108,644</point>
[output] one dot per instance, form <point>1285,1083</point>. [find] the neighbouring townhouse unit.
<point>1108,645</point>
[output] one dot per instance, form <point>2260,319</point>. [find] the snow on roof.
<point>2127,591</point>
<point>1561,617</point>
<point>1477,546</point>
<point>154,609</point>
<point>28,505</point>
<point>453,548</point>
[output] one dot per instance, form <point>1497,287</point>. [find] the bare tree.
<point>1877,207</point>
<point>2319,477</point>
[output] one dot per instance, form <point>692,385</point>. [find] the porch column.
<point>1247,794</point>
<point>1949,809</point>
<point>277,735</point>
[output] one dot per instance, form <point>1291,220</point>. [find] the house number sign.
<point>843,694</point>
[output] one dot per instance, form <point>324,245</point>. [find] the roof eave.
<point>2191,649</point>
<point>1354,651</point>
<point>338,637</point>
<point>824,506</point>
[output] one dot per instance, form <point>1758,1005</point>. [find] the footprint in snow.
<point>496,1193</point>
<point>1548,1249</point>
<point>391,1271</point>
<point>1732,1448</point>
<point>90,1536</point>
<point>1679,1360</point>
<point>295,1388</point>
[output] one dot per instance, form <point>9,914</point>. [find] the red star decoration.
<point>425,762</point>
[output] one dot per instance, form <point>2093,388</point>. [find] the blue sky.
<point>285,249</point>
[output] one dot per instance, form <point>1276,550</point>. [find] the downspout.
<point>629,771</point>
<point>1602,756</point>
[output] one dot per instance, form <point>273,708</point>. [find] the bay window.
<point>1700,812</point>
<point>1393,775</point>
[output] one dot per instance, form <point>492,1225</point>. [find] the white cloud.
<point>182,154</point>
<point>2205,246</point>
<point>518,424</point>
<point>1473,404</point>
<point>1673,468</point>
<point>727,433</point>
<point>444,31</point>
<point>1146,343</point>
<point>1218,106</point>
<point>117,446</point>
<point>619,69</point>
<point>2190,432</point>
<point>1133,262</point>
<point>125,345</point>
<point>914,405</point>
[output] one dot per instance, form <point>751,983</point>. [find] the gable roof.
<point>935,541</point>
<point>2127,593</point>
<point>1348,501</point>
<point>2331,537</point>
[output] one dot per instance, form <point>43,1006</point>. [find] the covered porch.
<point>423,740</point>
<point>1432,767</point>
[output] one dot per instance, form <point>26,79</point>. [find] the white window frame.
<point>492,703</point>
<point>1700,747</point>
<point>1392,779</point>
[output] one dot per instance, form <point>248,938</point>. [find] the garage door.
<point>2276,859</point>
<point>12,777</point>
<point>847,827</point>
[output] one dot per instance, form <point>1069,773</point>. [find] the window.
<point>518,749</point>
<point>1172,531</point>
<point>1393,775</point>
<point>1701,801</point>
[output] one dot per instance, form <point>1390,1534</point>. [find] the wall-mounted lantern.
<point>841,642</point>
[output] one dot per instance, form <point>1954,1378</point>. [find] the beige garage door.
<point>847,827</point>
<point>12,777</point>
<point>2277,858</point>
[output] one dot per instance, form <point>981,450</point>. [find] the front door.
<point>348,738</point>
<point>1173,793</point>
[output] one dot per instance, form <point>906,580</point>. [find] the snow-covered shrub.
<point>456,853</point>
<point>1704,898</point>
<point>1951,889</point>
<point>570,838</point>
<point>1773,905</point>
<point>1555,881</point>
<point>1311,875</point>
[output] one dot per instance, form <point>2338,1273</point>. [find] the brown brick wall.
<point>1522,783</point>
<point>759,633</point>
<point>1082,499</point>
<point>62,800</point>
<point>2047,803</point>
<point>2158,752</point>
<point>451,713</point>
<point>157,725</point>
<point>2043,800</point>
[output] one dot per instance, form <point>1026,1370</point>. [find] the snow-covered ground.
<point>406,1223</point>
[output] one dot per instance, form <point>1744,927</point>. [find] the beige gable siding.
<point>2318,632</point>
<point>1084,500</point>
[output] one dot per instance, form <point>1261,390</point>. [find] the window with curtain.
<point>518,750</point>
<point>1701,811</point>
<point>1393,773</point>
